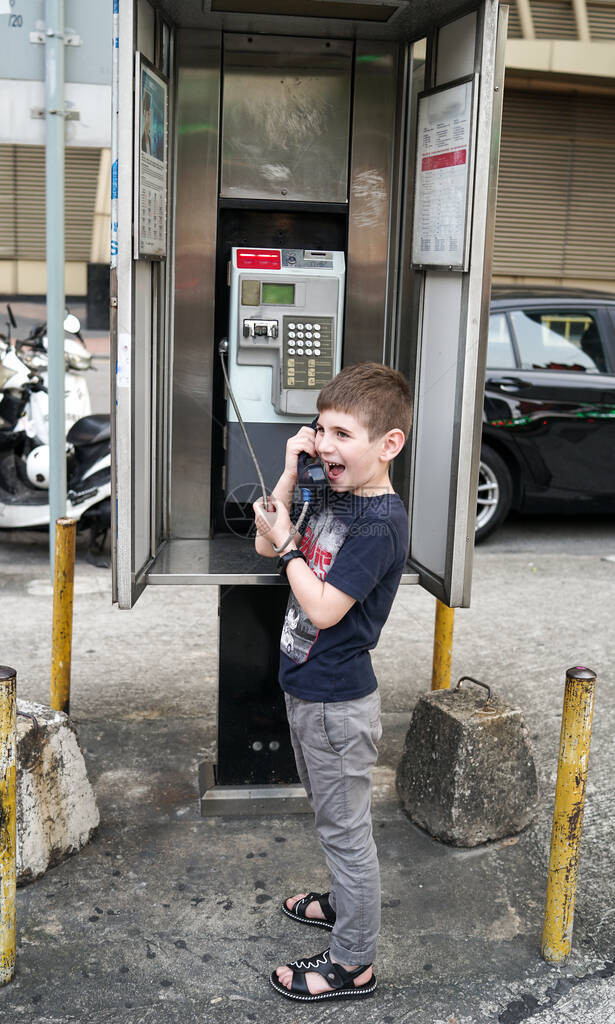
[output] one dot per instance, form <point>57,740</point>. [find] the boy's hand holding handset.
<point>303,441</point>
<point>274,522</point>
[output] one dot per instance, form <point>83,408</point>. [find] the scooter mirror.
<point>72,323</point>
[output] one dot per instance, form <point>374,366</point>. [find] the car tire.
<point>495,493</point>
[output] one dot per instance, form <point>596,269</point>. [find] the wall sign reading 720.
<point>444,173</point>
<point>7,7</point>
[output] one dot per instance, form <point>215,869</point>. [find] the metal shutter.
<point>601,19</point>
<point>514,23</point>
<point>81,183</point>
<point>7,202</point>
<point>29,193</point>
<point>554,19</point>
<point>556,190</point>
<point>22,201</point>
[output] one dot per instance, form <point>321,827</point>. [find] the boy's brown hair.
<point>375,394</point>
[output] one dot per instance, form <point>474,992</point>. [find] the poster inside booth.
<point>446,142</point>
<point>151,161</point>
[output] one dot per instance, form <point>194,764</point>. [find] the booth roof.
<point>409,20</point>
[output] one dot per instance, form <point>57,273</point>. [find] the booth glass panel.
<point>500,352</point>
<point>297,99</point>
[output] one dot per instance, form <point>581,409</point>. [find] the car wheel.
<point>495,491</point>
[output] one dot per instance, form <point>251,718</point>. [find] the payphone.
<point>285,342</point>
<point>295,165</point>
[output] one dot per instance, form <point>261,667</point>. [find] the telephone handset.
<point>311,477</point>
<point>310,470</point>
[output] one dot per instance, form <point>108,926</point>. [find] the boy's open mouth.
<point>334,470</point>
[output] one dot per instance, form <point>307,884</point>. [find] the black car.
<point>548,442</point>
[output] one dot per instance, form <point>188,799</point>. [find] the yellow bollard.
<point>442,647</point>
<point>62,627</point>
<point>568,815</point>
<point>8,821</point>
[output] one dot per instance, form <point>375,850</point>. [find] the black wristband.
<point>288,557</point>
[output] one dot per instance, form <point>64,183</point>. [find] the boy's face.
<point>352,461</point>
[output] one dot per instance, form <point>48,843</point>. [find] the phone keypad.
<point>307,352</point>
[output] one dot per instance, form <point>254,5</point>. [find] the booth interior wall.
<point>371,238</point>
<point>198,115</point>
<point>285,118</point>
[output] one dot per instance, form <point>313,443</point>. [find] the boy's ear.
<point>392,443</point>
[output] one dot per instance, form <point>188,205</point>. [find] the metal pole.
<point>442,647</point>
<point>568,814</point>
<point>62,627</point>
<point>113,322</point>
<point>54,181</point>
<point>8,821</point>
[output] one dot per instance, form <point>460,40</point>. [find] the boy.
<point>343,569</point>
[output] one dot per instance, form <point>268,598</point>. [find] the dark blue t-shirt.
<point>359,545</point>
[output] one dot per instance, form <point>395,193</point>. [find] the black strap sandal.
<point>340,980</point>
<point>298,913</point>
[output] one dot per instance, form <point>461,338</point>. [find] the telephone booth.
<point>297,187</point>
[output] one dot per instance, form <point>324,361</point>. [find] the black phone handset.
<point>311,474</point>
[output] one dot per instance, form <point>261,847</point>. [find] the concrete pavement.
<point>167,917</point>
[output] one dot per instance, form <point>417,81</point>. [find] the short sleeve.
<point>366,556</point>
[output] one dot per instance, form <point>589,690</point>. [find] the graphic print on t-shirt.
<point>323,537</point>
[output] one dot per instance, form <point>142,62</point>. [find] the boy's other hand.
<point>303,441</point>
<point>272,522</point>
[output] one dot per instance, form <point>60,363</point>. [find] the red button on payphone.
<point>258,259</point>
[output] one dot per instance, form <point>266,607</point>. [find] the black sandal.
<point>298,913</point>
<point>340,980</point>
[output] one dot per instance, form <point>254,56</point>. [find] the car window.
<point>500,353</point>
<point>559,340</point>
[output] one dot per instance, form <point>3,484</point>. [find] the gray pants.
<point>335,750</point>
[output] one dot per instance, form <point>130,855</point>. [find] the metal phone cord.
<point>222,350</point>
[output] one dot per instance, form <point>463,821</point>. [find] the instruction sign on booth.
<point>446,139</point>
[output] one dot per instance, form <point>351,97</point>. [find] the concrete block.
<point>56,806</point>
<point>467,777</point>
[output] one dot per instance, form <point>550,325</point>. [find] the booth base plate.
<point>254,800</point>
<point>251,799</point>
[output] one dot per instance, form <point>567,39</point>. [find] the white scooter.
<point>24,460</point>
<point>24,404</point>
<point>24,481</point>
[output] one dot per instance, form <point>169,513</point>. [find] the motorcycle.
<point>24,459</point>
<point>24,404</point>
<point>24,481</point>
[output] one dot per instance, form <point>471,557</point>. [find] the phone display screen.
<point>278,294</point>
